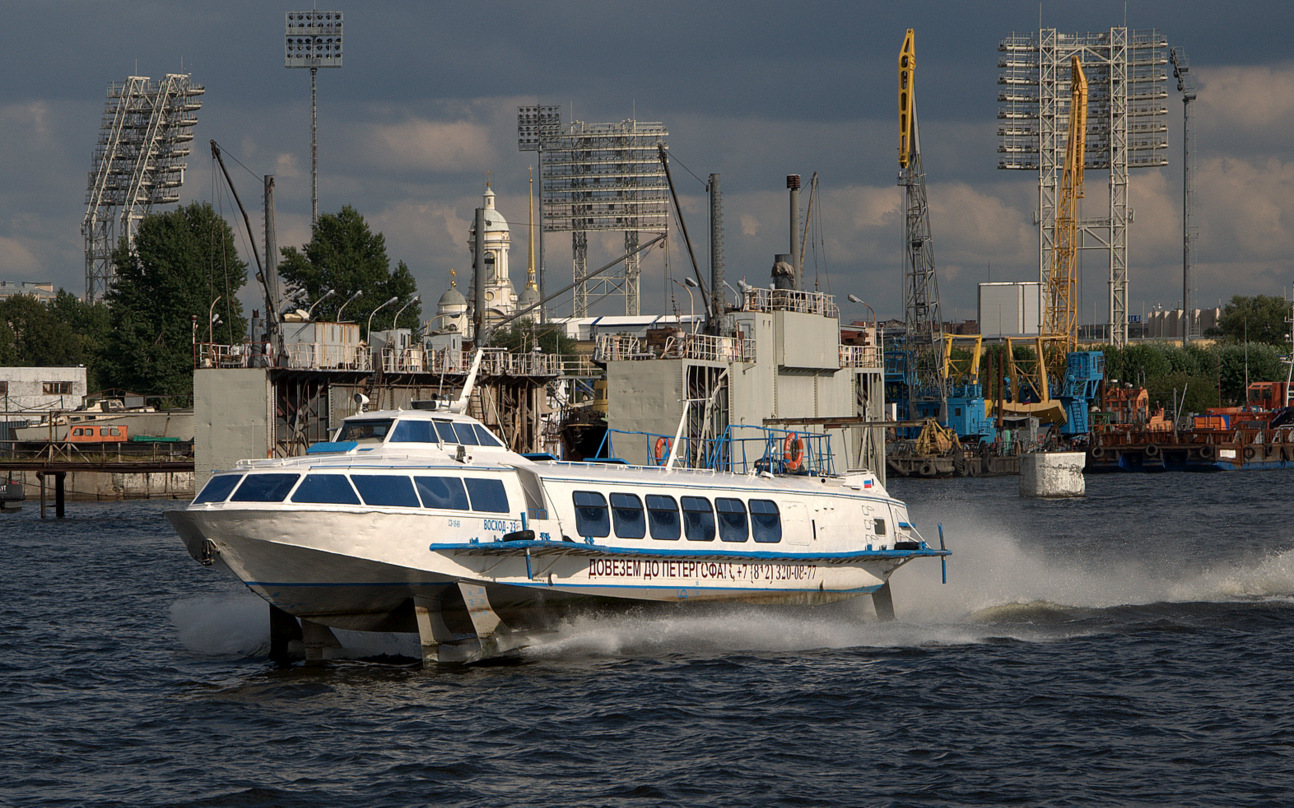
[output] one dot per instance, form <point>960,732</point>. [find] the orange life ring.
<point>793,451</point>
<point>661,450</point>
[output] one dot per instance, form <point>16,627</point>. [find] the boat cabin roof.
<point>367,430</point>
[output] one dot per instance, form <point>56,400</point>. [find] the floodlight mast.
<point>537,123</point>
<point>313,41</point>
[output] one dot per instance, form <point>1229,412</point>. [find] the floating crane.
<point>914,372</point>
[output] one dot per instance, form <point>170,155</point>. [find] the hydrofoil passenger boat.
<point>424,521</point>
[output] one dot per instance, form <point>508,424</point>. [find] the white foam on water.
<point>223,625</point>
<point>990,568</point>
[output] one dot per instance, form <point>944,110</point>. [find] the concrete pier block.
<point>1052,474</point>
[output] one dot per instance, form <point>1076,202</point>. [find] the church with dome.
<point>456,312</point>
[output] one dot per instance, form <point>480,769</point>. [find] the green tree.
<point>39,339</point>
<point>345,256</point>
<point>184,266</point>
<point>1262,318</point>
<point>521,335</point>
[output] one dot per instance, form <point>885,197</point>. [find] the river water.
<point>1133,647</point>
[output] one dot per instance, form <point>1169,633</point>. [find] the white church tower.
<point>500,295</point>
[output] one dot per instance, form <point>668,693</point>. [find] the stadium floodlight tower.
<point>601,177</point>
<point>138,162</point>
<point>538,124</point>
<point>313,41</point>
<point>1126,128</point>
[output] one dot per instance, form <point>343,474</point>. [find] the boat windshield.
<point>367,431</point>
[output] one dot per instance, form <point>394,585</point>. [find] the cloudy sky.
<point>426,105</point>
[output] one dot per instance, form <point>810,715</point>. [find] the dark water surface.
<point>1130,648</point>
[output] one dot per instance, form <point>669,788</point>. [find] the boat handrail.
<point>741,449</point>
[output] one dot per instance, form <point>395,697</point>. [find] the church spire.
<point>530,268</point>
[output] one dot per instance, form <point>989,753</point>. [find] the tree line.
<point>181,283</point>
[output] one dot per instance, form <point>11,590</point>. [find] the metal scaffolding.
<point>1126,128</point>
<point>138,162</point>
<point>603,177</point>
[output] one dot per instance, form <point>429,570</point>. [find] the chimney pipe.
<point>793,183</point>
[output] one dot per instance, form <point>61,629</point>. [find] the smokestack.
<point>718,297</point>
<point>793,183</point>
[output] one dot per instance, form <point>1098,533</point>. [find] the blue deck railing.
<point>742,449</point>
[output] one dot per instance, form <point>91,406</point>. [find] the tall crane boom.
<point>1060,320</point>
<point>925,338</point>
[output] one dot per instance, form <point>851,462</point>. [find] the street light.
<point>396,322</point>
<point>853,298</point>
<point>687,285</point>
<point>211,318</point>
<point>349,300</point>
<point>369,329</point>
<point>327,295</point>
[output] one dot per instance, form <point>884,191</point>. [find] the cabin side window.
<point>443,493</point>
<point>627,515</point>
<point>765,521</point>
<point>412,431</point>
<point>878,527</point>
<point>698,519</point>
<point>591,519</point>
<point>488,495</point>
<point>218,488</point>
<point>732,519</point>
<point>385,490</point>
<point>265,487</point>
<point>332,489</point>
<point>662,516</point>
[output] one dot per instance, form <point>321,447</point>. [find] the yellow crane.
<point>1059,333</point>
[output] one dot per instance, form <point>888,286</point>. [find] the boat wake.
<point>992,575</point>
<point>999,588</point>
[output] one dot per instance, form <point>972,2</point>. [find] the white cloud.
<point>423,145</point>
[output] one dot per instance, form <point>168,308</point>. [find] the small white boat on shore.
<point>423,521</point>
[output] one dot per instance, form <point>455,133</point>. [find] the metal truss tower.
<point>924,334</point>
<point>600,177</point>
<point>138,162</point>
<point>1127,128</point>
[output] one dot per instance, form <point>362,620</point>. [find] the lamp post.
<point>327,294</point>
<point>691,306</point>
<point>349,300</point>
<point>853,298</point>
<point>369,328</point>
<point>211,317</point>
<point>396,323</point>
